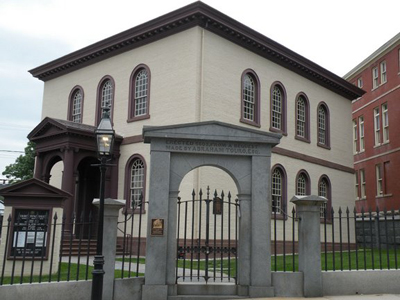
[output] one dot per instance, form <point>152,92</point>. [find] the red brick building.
<point>376,128</point>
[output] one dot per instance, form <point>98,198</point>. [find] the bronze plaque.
<point>157,227</point>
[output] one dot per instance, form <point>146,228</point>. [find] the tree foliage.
<point>23,167</point>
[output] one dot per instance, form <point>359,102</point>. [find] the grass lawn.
<point>132,260</point>
<point>65,275</point>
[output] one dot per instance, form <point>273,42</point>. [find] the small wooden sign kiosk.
<point>32,205</point>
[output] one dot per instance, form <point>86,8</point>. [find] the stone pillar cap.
<point>308,200</point>
<point>110,202</point>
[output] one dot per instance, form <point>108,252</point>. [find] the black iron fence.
<point>39,247</point>
<point>350,240</point>
<point>207,237</point>
<point>42,248</point>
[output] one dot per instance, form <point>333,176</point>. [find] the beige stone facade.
<point>196,75</point>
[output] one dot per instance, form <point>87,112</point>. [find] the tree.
<point>23,167</point>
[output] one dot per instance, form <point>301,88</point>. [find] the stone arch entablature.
<point>245,154</point>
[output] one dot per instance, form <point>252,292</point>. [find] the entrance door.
<point>87,189</point>
<point>207,238</point>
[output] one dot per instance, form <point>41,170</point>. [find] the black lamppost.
<point>105,141</point>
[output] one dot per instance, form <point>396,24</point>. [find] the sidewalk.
<point>352,297</point>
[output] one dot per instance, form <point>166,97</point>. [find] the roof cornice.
<point>197,14</point>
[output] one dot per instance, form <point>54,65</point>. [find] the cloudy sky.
<point>334,34</point>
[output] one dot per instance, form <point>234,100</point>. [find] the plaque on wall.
<point>157,227</point>
<point>29,233</point>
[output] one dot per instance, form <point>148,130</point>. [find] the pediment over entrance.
<point>33,191</point>
<point>50,127</point>
<point>210,130</point>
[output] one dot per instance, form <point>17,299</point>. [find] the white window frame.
<point>377,127</point>
<point>383,72</point>
<point>137,173</point>
<point>277,108</point>
<point>356,185</point>
<point>379,180</point>
<point>363,185</point>
<point>355,136</point>
<point>361,133</point>
<point>301,117</point>
<point>249,98</point>
<point>375,77</point>
<point>277,191</point>
<point>360,82</point>
<point>385,123</point>
<point>141,93</point>
<point>323,191</point>
<point>77,107</point>
<point>301,185</point>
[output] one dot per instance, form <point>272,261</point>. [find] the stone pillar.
<point>111,212</point>
<point>244,251</point>
<point>157,247</point>
<point>308,212</point>
<point>68,183</point>
<point>260,229</point>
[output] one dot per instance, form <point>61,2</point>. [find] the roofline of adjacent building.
<point>389,44</point>
<point>204,16</point>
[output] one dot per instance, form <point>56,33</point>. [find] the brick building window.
<point>377,127</point>
<point>361,132</point>
<point>385,121</point>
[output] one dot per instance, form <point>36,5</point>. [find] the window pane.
<point>301,117</point>
<point>276,190</point>
<point>248,98</point>
<point>321,125</point>
<point>137,181</point>
<point>106,96</point>
<point>323,192</point>
<point>301,185</point>
<point>277,108</point>
<point>141,89</point>
<point>77,107</point>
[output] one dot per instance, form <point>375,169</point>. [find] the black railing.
<point>48,249</point>
<point>207,238</point>
<point>349,240</point>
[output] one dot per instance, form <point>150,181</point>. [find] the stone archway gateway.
<point>243,153</point>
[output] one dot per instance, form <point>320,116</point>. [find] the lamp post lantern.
<point>105,135</point>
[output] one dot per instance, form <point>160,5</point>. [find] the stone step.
<point>205,297</point>
<point>207,289</point>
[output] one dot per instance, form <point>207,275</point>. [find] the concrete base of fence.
<point>124,289</point>
<point>77,290</point>
<point>288,284</point>
<point>361,282</point>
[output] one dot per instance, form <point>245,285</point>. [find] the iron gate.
<point>207,238</point>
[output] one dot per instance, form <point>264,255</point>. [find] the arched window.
<point>278,190</point>
<point>324,190</point>
<point>135,181</point>
<point>323,126</point>
<point>105,97</point>
<point>75,105</point>
<point>250,113</point>
<point>278,108</point>
<point>303,183</point>
<point>302,118</point>
<point>140,94</point>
